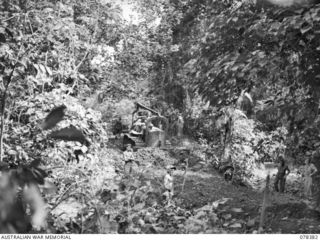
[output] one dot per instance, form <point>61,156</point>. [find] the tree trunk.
<point>264,204</point>
<point>3,107</point>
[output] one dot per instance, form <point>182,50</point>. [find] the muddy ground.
<point>285,213</point>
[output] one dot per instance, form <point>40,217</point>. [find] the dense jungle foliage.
<point>244,75</point>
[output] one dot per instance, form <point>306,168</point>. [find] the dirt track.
<point>285,213</point>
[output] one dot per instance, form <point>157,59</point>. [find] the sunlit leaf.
<point>235,225</point>
<point>49,187</point>
<point>305,29</point>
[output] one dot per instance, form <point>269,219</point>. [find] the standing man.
<point>283,172</point>
<point>168,183</point>
<point>180,123</point>
<point>309,171</point>
<point>128,158</point>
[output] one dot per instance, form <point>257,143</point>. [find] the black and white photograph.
<point>159,117</point>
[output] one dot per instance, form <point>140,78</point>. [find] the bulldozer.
<point>148,129</point>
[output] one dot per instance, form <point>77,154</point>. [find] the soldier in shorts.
<point>168,183</point>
